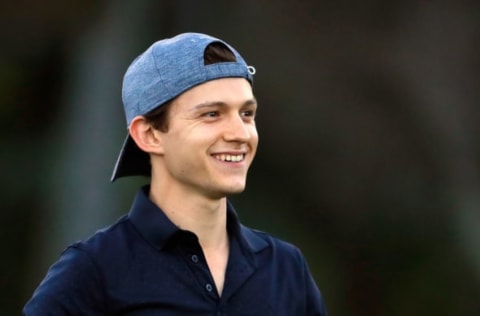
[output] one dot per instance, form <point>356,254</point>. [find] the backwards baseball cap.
<point>164,71</point>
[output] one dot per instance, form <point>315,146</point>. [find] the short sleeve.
<point>71,287</point>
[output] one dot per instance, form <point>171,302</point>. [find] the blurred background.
<point>369,151</point>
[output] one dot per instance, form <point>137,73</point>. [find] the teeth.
<point>230,158</point>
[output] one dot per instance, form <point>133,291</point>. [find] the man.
<point>181,250</point>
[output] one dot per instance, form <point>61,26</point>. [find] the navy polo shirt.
<point>145,265</point>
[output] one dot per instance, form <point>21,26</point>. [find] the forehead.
<point>226,90</point>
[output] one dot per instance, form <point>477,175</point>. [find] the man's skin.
<point>203,157</point>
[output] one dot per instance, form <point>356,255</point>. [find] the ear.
<point>145,136</point>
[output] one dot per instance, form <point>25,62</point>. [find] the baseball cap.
<point>165,70</point>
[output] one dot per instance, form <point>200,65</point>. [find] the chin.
<point>236,189</point>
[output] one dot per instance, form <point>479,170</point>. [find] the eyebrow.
<point>200,106</point>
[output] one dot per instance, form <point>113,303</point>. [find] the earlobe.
<point>145,136</point>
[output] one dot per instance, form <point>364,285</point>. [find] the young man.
<point>181,250</point>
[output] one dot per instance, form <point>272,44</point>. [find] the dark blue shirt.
<point>145,265</point>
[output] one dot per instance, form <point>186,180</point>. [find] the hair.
<point>216,52</point>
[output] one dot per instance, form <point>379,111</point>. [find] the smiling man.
<point>181,249</point>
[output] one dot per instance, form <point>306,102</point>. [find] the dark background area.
<point>369,150</point>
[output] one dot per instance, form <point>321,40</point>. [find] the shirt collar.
<point>152,223</point>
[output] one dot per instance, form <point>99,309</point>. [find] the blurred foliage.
<point>369,142</point>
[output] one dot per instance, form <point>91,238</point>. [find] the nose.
<point>237,130</point>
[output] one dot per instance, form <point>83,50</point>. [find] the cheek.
<point>254,136</point>
<point>253,143</point>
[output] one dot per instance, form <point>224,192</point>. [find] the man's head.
<point>164,71</point>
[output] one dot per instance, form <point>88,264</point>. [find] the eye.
<point>248,113</point>
<point>210,114</point>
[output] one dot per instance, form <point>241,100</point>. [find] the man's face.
<point>211,139</point>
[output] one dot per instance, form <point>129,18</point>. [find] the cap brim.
<point>131,161</point>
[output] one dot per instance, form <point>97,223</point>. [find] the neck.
<point>205,217</point>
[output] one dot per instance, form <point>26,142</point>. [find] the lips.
<point>229,157</point>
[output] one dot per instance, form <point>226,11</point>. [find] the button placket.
<point>193,255</point>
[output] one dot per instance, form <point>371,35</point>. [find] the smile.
<point>230,158</point>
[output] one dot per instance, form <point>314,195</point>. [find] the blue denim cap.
<point>164,71</point>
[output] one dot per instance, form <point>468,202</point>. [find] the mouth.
<point>229,157</point>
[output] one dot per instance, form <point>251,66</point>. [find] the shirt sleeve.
<point>71,287</point>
